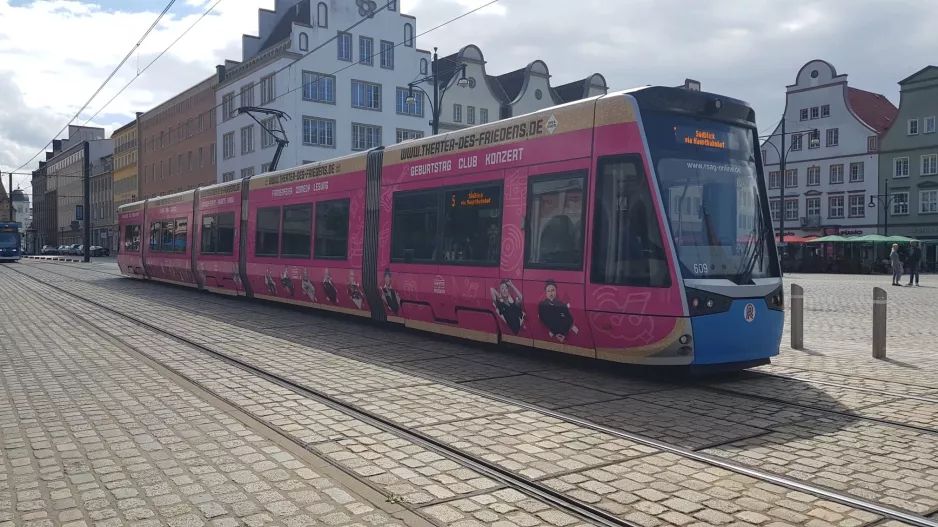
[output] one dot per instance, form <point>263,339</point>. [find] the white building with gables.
<point>829,175</point>
<point>331,112</point>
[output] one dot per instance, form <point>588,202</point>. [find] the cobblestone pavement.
<point>321,352</point>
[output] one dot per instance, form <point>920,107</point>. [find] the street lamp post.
<point>438,92</point>
<point>884,201</point>
<point>782,159</point>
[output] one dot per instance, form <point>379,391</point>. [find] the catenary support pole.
<point>879,323</point>
<point>797,317</point>
<point>86,213</point>
<point>10,196</point>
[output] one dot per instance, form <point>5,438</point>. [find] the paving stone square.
<point>751,412</point>
<point>506,507</point>
<point>546,393</point>
<point>534,445</point>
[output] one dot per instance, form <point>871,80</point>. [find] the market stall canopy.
<point>834,238</point>
<point>796,239</point>
<point>871,238</point>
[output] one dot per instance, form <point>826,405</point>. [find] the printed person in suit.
<point>555,314</point>
<point>391,298</point>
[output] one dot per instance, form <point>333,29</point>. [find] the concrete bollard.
<point>879,323</point>
<point>797,317</point>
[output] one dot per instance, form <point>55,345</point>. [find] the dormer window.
<point>322,15</point>
<point>423,66</point>
<point>408,35</point>
<point>392,5</point>
<point>304,42</point>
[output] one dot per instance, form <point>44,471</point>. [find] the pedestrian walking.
<point>913,261</point>
<point>896,264</point>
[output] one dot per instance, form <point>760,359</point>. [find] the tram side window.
<point>267,239</point>
<point>555,221</point>
<point>155,237</point>
<point>332,219</point>
<point>226,229</point>
<point>297,230</point>
<point>209,235</point>
<point>627,245</point>
<point>414,227</point>
<point>168,228</point>
<point>132,238</point>
<point>181,236</point>
<point>472,225</point>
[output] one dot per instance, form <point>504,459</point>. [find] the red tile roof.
<point>872,108</point>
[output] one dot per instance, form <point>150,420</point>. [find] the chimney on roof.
<point>220,70</point>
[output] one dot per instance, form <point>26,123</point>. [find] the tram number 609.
<point>701,268</point>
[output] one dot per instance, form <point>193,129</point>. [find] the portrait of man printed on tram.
<point>555,313</point>
<point>391,298</point>
<point>508,307</point>
<point>354,290</point>
<point>308,288</point>
<point>286,281</point>
<point>271,286</point>
<point>328,288</point>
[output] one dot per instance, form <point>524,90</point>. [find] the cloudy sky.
<point>54,54</point>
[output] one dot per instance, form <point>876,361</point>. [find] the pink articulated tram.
<point>630,227</point>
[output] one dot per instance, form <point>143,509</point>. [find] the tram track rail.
<point>497,473</point>
<point>715,389</point>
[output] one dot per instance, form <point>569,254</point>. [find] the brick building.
<point>176,142</point>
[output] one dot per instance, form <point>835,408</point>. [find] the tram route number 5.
<point>701,268</point>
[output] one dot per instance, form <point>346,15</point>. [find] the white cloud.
<point>57,52</point>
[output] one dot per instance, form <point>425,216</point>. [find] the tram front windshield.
<point>9,240</point>
<point>709,184</point>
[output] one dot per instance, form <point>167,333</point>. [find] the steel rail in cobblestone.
<point>536,490</point>
<point>858,503</point>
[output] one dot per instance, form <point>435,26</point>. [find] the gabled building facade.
<point>346,92</point>
<point>909,161</point>
<point>489,98</point>
<point>831,174</point>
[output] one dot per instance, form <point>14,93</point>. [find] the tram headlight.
<point>776,299</point>
<point>706,303</point>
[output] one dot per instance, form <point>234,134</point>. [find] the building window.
<point>825,110</point>
<point>247,172</point>
<point>791,209</point>
<point>803,114</point>
<point>424,64</point>
<point>227,176</point>
<point>856,172</point>
<point>387,54</point>
<point>835,207</point>
<point>189,128</point>
<point>318,132</point>
<point>201,156</point>
<point>366,50</point>
<point>930,165</point>
<point>857,205</point>
<point>190,161</point>
<point>403,108</point>
<point>791,178</point>
<point>322,15</point>
<point>912,127</point>
<point>928,201</point>
<point>247,139</point>
<point>392,5</point>
<point>318,87</point>
<point>764,155</point>
<point>900,167</point>
<point>871,143</point>
<point>774,209</point>
<point>408,35</point>
<point>483,115</point>
<point>814,176</point>
<point>812,137</point>
<point>170,162</point>
<point>775,180</point>
<point>228,109</point>
<point>211,149</point>
<point>247,95</point>
<point>812,207</point>
<point>796,141</point>
<point>470,115</point>
<point>304,42</point>
<point>344,44</point>
<point>837,174</point>
<point>366,95</point>
<point>406,135</point>
<point>331,236</point>
<point>833,136</point>
<point>179,132</point>
<point>900,204</point>
<point>365,136</point>
<point>268,89</point>
<point>267,138</point>
<point>457,113</point>
<point>814,112</point>
<point>930,125</point>
<point>228,148</point>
